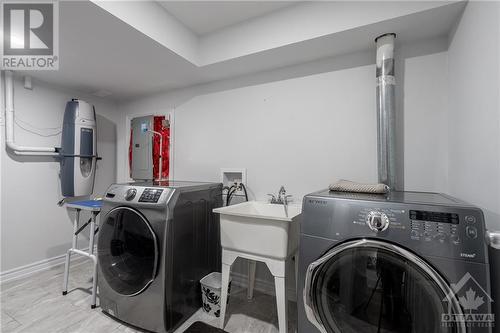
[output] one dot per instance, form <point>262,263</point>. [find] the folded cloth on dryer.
<point>350,186</point>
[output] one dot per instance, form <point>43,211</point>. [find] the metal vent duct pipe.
<point>386,110</point>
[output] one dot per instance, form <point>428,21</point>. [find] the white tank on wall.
<point>78,149</point>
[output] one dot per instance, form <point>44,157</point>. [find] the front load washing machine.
<point>403,262</point>
<point>156,241</point>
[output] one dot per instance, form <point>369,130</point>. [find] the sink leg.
<point>226,271</point>
<point>251,278</point>
<point>281,302</point>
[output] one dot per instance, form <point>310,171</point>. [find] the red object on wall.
<point>165,132</point>
<point>130,152</point>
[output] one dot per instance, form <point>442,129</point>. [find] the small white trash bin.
<point>210,293</point>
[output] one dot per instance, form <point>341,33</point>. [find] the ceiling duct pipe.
<point>386,110</point>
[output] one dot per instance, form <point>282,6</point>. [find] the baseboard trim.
<point>264,286</point>
<point>39,266</point>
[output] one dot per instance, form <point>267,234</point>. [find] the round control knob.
<point>131,192</point>
<point>470,219</point>
<point>377,221</point>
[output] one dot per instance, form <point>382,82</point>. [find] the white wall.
<point>425,123</point>
<point>302,133</point>
<point>33,227</point>
<point>426,56</point>
<point>474,113</point>
<point>308,131</point>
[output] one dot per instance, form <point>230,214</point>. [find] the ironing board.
<point>93,206</point>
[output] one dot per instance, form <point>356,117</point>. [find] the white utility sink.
<point>260,228</point>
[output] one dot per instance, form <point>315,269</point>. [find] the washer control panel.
<point>132,194</point>
<point>151,195</point>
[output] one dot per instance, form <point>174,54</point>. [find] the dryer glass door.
<point>127,251</point>
<point>371,286</point>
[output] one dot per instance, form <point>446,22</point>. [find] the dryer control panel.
<point>434,226</point>
<point>444,229</point>
<point>423,225</point>
<point>452,233</point>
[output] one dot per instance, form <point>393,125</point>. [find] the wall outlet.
<point>229,176</point>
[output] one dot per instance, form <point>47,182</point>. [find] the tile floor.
<point>35,304</point>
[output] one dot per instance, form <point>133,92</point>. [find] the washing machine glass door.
<point>127,251</point>
<point>369,286</point>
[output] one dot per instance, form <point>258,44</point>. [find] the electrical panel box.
<point>141,164</point>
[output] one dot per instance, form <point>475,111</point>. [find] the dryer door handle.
<point>493,239</point>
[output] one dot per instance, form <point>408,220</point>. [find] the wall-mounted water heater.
<point>78,149</point>
<point>77,154</point>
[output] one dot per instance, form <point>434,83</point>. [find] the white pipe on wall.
<point>9,124</point>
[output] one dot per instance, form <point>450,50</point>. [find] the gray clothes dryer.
<point>156,241</point>
<point>403,262</point>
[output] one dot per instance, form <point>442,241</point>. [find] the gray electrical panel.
<point>142,148</point>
